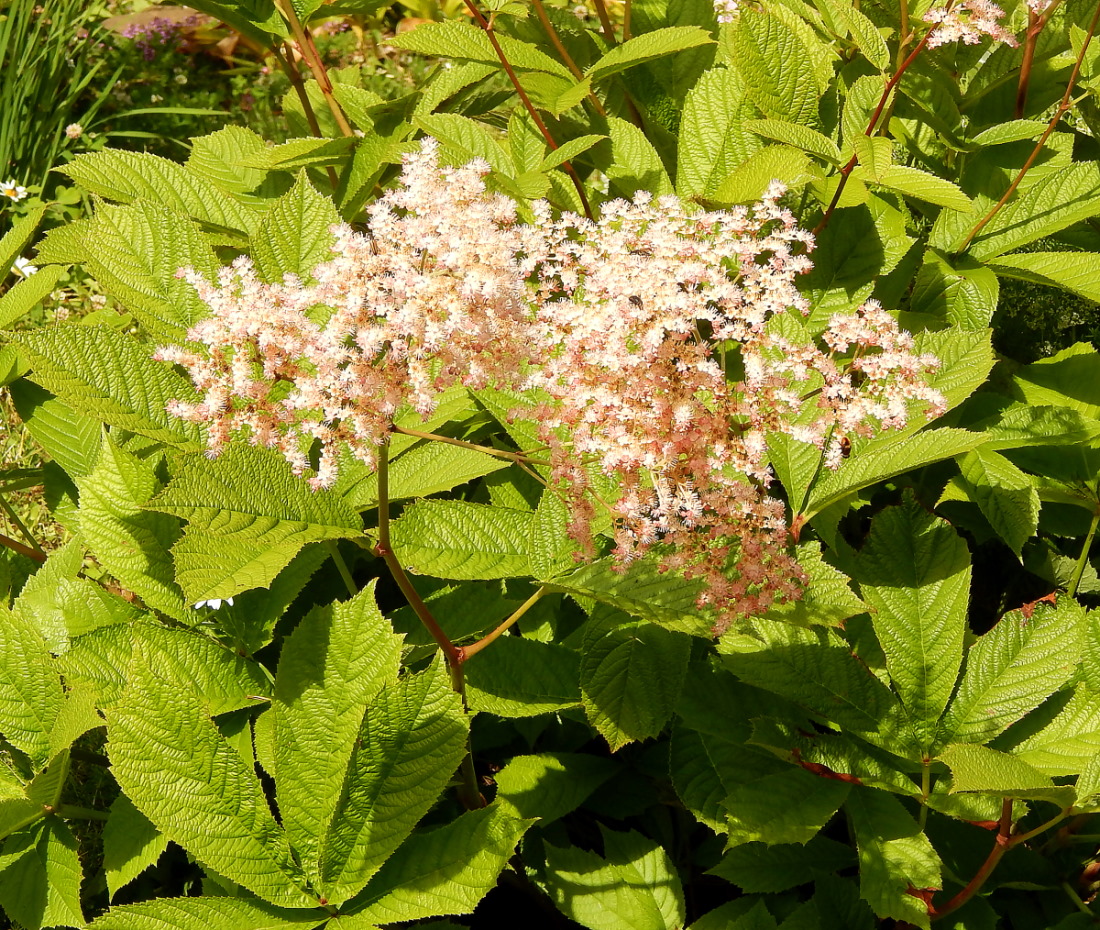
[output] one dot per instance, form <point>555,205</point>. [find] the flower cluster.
<point>158,33</point>
<point>968,22</point>
<point>659,337</point>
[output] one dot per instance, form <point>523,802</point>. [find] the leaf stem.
<point>461,443</point>
<point>72,812</point>
<point>1063,107</point>
<point>925,789</point>
<point>312,58</point>
<point>555,39</point>
<point>487,27</point>
<point>291,71</point>
<point>37,554</point>
<point>466,651</point>
<point>1083,558</point>
<point>605,22</point>
<point>14,517</point>
<point>341,566</point>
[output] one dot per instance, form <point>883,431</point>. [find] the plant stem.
<point>461,443</point>
<point>925,789</point>
<point>466,651</point>
<point>1083,558</point>
<point>1028,60</point>
<point>468,791</point>
<point>72,812</point>
<point>313,59</point>
<point>1064,107</point>
<point>341,566</point>
<point>286,62</point>
<point>14,517</point>
<point>14,544</point>
<point>626,21</point>
<point>487,27</point>
<point>605,22</point>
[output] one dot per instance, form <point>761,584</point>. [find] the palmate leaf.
<point>179,771</point>
<point>131,176</point>
<point>1012,669</point>
<point>713,136</point>
<point>445,871</point>
<point>206,913</point>
<point>647,47</point>
<point>412,738</point>
<point>111,377</point>
<point>635,886</point>
<point>332,666</point>
<point>895,857</point>
<point>915,571</point>
<point>248,516</point>
<point>41,888</point>
<point>131,543</point>
<point>294,236</point>
<point>631,676</point>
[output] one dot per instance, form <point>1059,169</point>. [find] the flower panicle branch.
<point>621,325</point>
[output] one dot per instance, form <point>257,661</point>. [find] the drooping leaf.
<point>297,154</point>
<point>985,770</point>
<point>131,844</point>
<point>28,294</point>
<point>647,47</point>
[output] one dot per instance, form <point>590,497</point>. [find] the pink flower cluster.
<point>660,339</point>
<point>968,22</point>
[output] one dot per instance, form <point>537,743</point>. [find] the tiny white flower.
<point>74,130</point>
<point>13,190</point>
<point>214,603</point>
<point>180,79</point>
<point>23,267</point>
<point>156,98</point>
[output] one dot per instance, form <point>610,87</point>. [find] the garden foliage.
<point>393,589</point>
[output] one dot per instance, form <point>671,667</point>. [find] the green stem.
<point>341,566</point>
<point>1076,899</point>
<point>1083,558</point>
<point>474,648</point>
<point>14,517</point>
<point>1064,107</point>
<point>72,812</point>
<point>925,789</point>
<point>488,450</point>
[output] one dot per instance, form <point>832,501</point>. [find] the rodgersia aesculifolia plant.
<point>583,486</point>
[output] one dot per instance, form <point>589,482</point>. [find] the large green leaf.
<point>31,696</point>
<point>27,294</point>
<point>41,888</point>
<point>1071,378</point>
<point>915,571</point>
<point>457,539</point>
<point>646,47</point>
<point>1013,668</point>
<point>205,913</point>
<point>895,857</point>
<point>70,439</point>
<point>179,771</point>
<point>18,237</point>
<point>131,844</point>
<point>217,158</point>
<point>466,42</point>
<point>961,291</point>
<point>635,886</point>
<point>444,871</point>
<point>713,137</point>
<point>520,677</point>
<point>111,377</point>
<point>1066,745</point>
<point>333,665</point>
<point>631,676</point>
<point>1036,425</point>
<point>760,869</point>
<point>551,784</point>
<point>987,771</point>
<point>130,542</point>
<point>1074,271</point>
<point>1003,493</point>
<point>131,176</point>
<point>789,92</point>
<point>784,807</point>
<point>295,235</point>
<point>636,165</point>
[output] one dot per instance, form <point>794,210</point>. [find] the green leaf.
<point>18,238</point>
<point>131,176</point>
<point>294,236</point>
<point>635,886</point>
<point>134,253</point>
<point>760,869</point>
<point>912,182</point>
<point>568,151</point>
<point>864,32</point>
<point>31,696</point>
<point>333,665</point>
<point>1058,200</point>
<point>786,807</point>
<point>42,887</point>
<point>131,844</point>
<point>457,539</point>
<point>466,139</point>
<point>1074,271</point>
<point>519,677</point>
<point>1019,425</point>
<point>635,162</point>
<point>216,158</point>
<point>110,377</point>
<point>713,137</point>
<point>298,153</point>
<point>466,42</point>
<point>1004,495</point>
<point>826,597</point>
<point>631,676</point>
<point>412,738</point>
<point>895,857</point>
<point>817,669</point>
<point>985,770</point>
<point>961,291</point>
<point>249,515</point>
<point>551,784</point>
<point>801,137</point>
<point>748,181</point>
<point>641,590</point>
<point>70,439</point>
<point>1015,130</point>
<point>863,470</point>
<point>915,571</point>
<point>796,465</point>
<point>257,19</point>
<point>179,771</point>
<point>787,93</point>
<point>1012,669</point>
<point>1067,744</point>
<point>966,358</point>
<point>131,543</point>
<point>444,84</point>
<point>647,47</point>
<point>444,871</point>
<point>205,913</point>
<point>1070,378</point>
<point>28,294</point>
